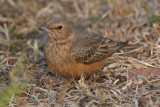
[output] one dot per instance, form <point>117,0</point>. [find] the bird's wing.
<point>93,47</point>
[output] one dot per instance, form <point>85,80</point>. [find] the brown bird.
<point>76,53</point>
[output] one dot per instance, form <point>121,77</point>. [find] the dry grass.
<point>137,21</point>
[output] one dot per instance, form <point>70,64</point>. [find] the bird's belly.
<point>79,69</point>
<point>72,68</point>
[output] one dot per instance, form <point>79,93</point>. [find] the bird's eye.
<point>59,27</point>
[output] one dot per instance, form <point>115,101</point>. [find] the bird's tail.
<point>125,45</point>
<point>122,43</point>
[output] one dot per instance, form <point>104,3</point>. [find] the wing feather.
<point>93,47</point>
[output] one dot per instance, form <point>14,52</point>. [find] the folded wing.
<point>93,47</point>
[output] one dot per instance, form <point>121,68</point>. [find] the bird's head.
<point>58,29</point>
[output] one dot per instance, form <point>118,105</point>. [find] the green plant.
<point>16,45</point>
<point>154,17</point>
<point>16,84</point>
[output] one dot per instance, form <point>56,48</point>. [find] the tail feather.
<point>125,45</point>
<point>122,43</point>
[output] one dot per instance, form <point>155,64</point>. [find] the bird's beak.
<point>45,28</point>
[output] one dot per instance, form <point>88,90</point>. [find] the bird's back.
<point>89,47</point>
